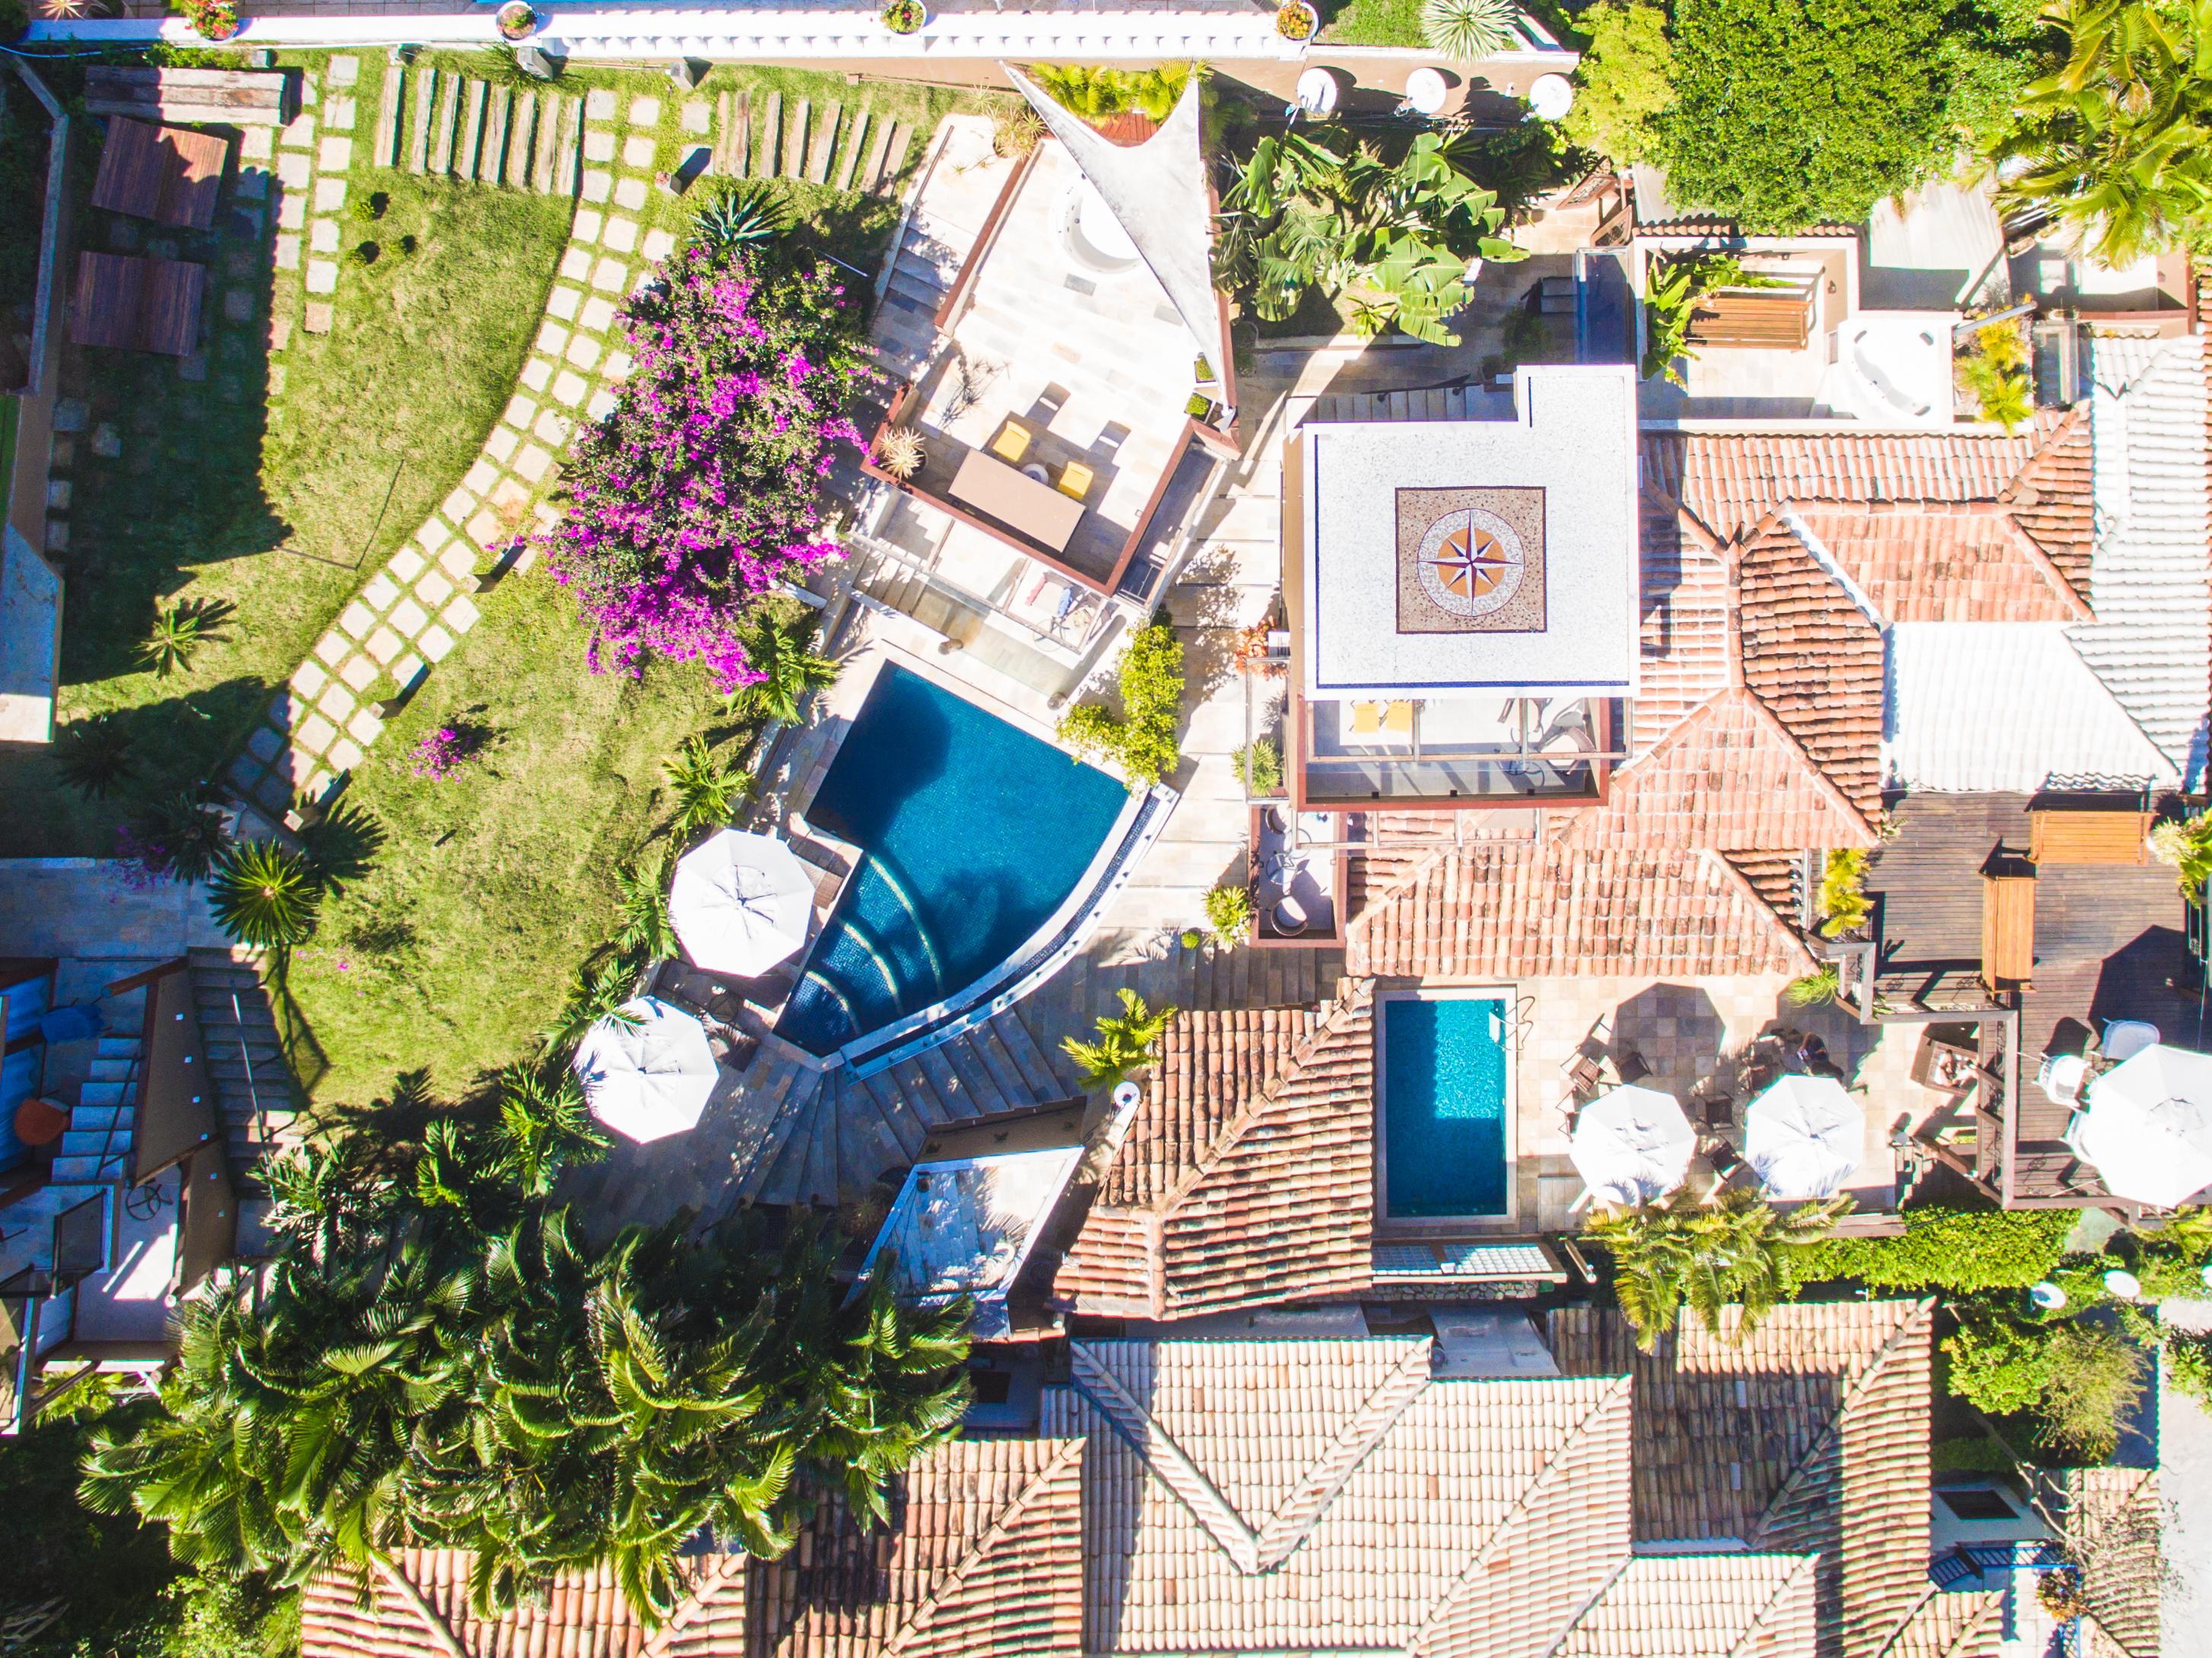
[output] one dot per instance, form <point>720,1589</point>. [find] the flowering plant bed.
<point>703,487</point>
<point>444,752</point>
<point>517,22</point>
<point>1295,19</point>
<point>905,16</point>
<point>212,20</point>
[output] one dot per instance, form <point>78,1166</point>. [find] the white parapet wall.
<point>744,34</point>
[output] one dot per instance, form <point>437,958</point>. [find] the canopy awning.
<point>1804,1137</point>
<point>740,903</point>
<point>2148,1128</point>
<point>647,1070</point>
<point>1633,1145</point>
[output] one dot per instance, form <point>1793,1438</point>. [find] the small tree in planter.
<point>905,16</point>
<point>211,19</point>
<point>704,486</point>
<point>517,22</point>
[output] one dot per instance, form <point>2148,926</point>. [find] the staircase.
<point>905,330</point>
<point>96,1146</point>
<point>254,1089</point>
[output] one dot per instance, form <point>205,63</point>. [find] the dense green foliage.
<point>1125,1042</point>
<point>1672,288</point>
<point>779,641</point>
<point>1683,1251</point>
<point>1229,913</point>
<point>2187,845</point>
<point>264,896</point>
<point>436,1356</point>
<point>1144,739</point>
<point>2075,1380</point>
<point>1259,768</point>
<point>1946,1247</point>
<point>1098,93</point>
<point>1627,77</point>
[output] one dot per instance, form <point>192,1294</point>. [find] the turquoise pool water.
<point>972,833</point>
<point>1443,1106</point>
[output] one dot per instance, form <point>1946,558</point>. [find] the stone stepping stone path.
<point>853,149</point>
<point>411,612</point>
<point>313,155</point>
<point>435,121</point>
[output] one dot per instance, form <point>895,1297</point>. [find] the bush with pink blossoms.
<point>706,484</point>
<point>442,753</point>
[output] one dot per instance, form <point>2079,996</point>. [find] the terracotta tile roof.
<point>1523,910</point>
<point>1808,1436</point>
<point>1772,875</point>
<point>2118,1514</point>
<point>1685,643</point>
<point>2051,498</point>
<point>984,1556</point>
<point>1272,1496</point>
<point>1969,1625</point>
<point>1939,561</point>
<point>1719,1606</point>
<point>1815,660</point>
<point>1247,1177</point>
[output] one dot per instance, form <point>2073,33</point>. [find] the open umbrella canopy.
<point>740,903</point>
<point>2148,1126</point>
<point>647,1070</point>
<point>1633,1145</point>
<point>1804,1137</point>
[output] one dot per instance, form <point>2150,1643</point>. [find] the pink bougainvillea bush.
<point>706,484</point>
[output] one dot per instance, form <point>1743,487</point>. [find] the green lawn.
<point>1372,23</point>
<point>276,502</point>
<point>492,886</point>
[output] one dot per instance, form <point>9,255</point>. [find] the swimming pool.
<point>1443,1106</point>
<point>972,833</point>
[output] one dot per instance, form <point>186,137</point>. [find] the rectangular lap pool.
<point>1442,1078</point>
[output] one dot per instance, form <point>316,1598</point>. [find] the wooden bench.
<point>137,304</point>
<point>1757,318</point>
<point>170,174</point>
<point>2007,928</point>
<point>231,97</point>
<point>2088,837</point>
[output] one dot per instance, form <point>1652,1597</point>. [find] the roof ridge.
<point>1736,880</point>
<point>1297,1513</point>
<point>1919,1317</point>
<point>1590,1604</point>
<point>1349,1004</point>
<point>1545,1478</point>
<point>1808,1565</point>
<point>1168,1461</point>
<point>918,1621</point>
<point>1413,876</point>
<point>1989,1599</point>
<point>410,1591</point>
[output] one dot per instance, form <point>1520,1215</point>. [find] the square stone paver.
<point>599,104</point>
<point>459,505</point>
<point>314,733</point>
<point>335,703</point>
<point>622,235</point>
<point>601,405</point>
<point>365,727</point>
<point>520,409</point>
<point>587,228</point>
<point>342,70</point>
<point>238,304</point>
<point>296,767</point>
<point>384,644</point>
<point>292,212</point>
<point>359,671</point>
<point>408,618</point>
<point>630,193</point>
<point>460,615</point>
<point>344,755</point>
<point>536,373</point>
<point>433,536</point>
<point>618,365</point>
<point>698,116</point>
<point>323,236</point>
<point>322,275</point>
<point>598,186</point>
<point>329,195</point>
<point>308,680</point>
<point>507,500</point>
<point>265,744</point>
<point>576,263</point>
<point>288,252</point>
<point>458,560</point>
<point>356,619</point>
<point>257,143</point>
<point>532,464</point>
<point>433,589</point>
<point>637,151</point>
<point>321,317</point>
<point>436,643</point>
<point>552,337</point>
<point>599,144</point>
<point>563,303</point>
<point>337,117</point>
<point>298,132</point>
<point>569,388</point>
<point>407,669</point>
<point>332,648</point>
<point>500,444</point>
<point>295,171</point>
<point>407,564</point>
<point>598,314</point>
<point>381,589</point>
<point>583,350</point>
<point>554,428</point>
<point>335,155</point>
<point>486,531</point>
<point>481,477</point>
<point>645,111</point>
<point>610,274</point>
<point>659,245</point>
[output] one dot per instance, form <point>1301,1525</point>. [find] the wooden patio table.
<point>170,174</point>
<point>137,304</point>
<point>1016,500</point>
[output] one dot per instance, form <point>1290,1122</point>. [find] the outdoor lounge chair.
<point>2124,1039</point>
<point>2061,1076</point>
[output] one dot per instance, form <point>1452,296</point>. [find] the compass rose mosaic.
<point>1471,561</point>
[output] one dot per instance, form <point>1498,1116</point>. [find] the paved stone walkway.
<point>411,613</point>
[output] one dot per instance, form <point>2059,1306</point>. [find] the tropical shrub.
<point>778,638</point>
<point>179,629</point>
<point>595,992</point>
<point>264,896</point>
<point>1098,94</point>
<point>1947,1246</point>
<point>1824,985</point>
<point>707,787</point>
<point>1626,82</point>
<point>643,924</point>
<point>1707,1255</point>
<point>1016,132</point>
<point>1393,239</point>
<point>746,212</point>
<point>1144,740</point>
<point>1469,29</point>
<point>1259,768</point>
<point>178,836</point>
<point>1125,1042</point>
<point>2074,1380</point>
<point>1843,902</point>
<point>2117,141</point>
<point>2187,845</point>
<point>2187,1359</point>
<point>1672,288</point>
<point>1229,913</point>
<point>92,756</point>
<point>899,451</point>
<point>704,486</point>
<point>1995,374</point>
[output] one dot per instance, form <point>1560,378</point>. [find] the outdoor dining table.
<point>170,174</point>
<point>1017,500</point>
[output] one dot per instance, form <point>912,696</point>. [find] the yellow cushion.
<point>1399,717</point>
<point>1012,443</point>
<point>1366,719</point>
<point>1075,479</point>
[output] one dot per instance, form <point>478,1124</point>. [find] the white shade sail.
<point>647,1070</point>
<point>740,903</point>
<point>2148,1128</point>
<point>1633,1145</point>
<point>1804,1137</point>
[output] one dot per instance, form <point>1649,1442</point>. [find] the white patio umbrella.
<point>1804,1137</point>
<point>1633,1145</point>
<point>647,1070</point>
<point>2148,1126</point>
<point>740,903</point>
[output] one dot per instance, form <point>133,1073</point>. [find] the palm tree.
<point>708,789</point>
<point>594,993</point>
<point>641,911</point>
<point>778,649</point>
<point>2116,144</point>
<point>264,896</point>
<point>1729,1251</point>
<point>1125,1041</point>
<point>184,832</point>
<point>1394,240</point>
<point>1469,29</point>
<point>544,1127</point>
<point>94,755</point>
<point>179,632</point>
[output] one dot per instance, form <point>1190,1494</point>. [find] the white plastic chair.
<point>2126,1038</point>
<point>2061,1077</point>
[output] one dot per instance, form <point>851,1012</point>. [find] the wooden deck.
<point>2109,944</point>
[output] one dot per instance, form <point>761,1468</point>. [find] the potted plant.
<point>1296,20</point>
<point>14,21</point>
<point>905,16</point>
<point>212,20</point>
<point>517,22</point>
<point>899,451</point>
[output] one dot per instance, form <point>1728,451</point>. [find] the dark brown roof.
<point>1247,1177</point>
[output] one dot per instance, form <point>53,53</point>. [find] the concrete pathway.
<point>2184,1485</point>
<point>87,907</point>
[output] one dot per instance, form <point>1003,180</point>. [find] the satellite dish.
<point>1552,96</point>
